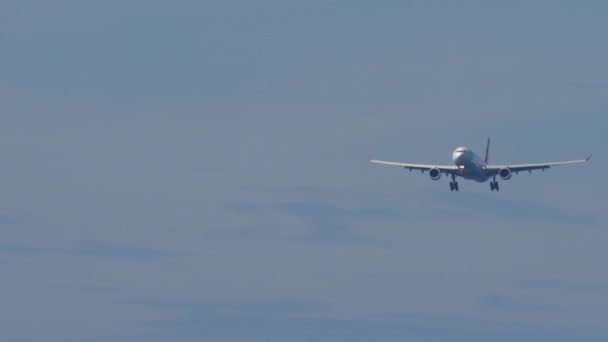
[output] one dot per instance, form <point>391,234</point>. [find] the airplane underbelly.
<point>474,174</point>
<point>471,167</point>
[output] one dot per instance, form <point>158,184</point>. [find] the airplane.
<point>468,165</point>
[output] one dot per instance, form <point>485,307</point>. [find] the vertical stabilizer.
<point>487,158</point>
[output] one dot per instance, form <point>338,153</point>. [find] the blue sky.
<point>197,170</point>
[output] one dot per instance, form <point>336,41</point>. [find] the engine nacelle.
<point>504,173</point>
<point>435,173</point>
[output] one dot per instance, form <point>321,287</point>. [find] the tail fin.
<point>487,158</point>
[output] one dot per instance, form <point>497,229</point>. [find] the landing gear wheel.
<point>453,183</point>
<point>494,186</point>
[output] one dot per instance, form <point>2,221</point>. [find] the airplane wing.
<point>446,169</point>
<point>494,169</point>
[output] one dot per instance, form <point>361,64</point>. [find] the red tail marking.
<point>487,158</point>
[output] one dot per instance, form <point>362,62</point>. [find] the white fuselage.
<point>470,165</point>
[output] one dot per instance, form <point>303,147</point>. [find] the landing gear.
<point>494,185</point>
<point>453,184</point>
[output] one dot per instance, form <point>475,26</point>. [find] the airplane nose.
<point>458,153</point>
<point>456,156</point>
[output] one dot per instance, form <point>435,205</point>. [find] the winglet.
<point>487,158</point>
<point>369,157</point>
<point>587,159</point>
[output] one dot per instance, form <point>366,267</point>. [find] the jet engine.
<point>505,173</point>
<point>435,173</point>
